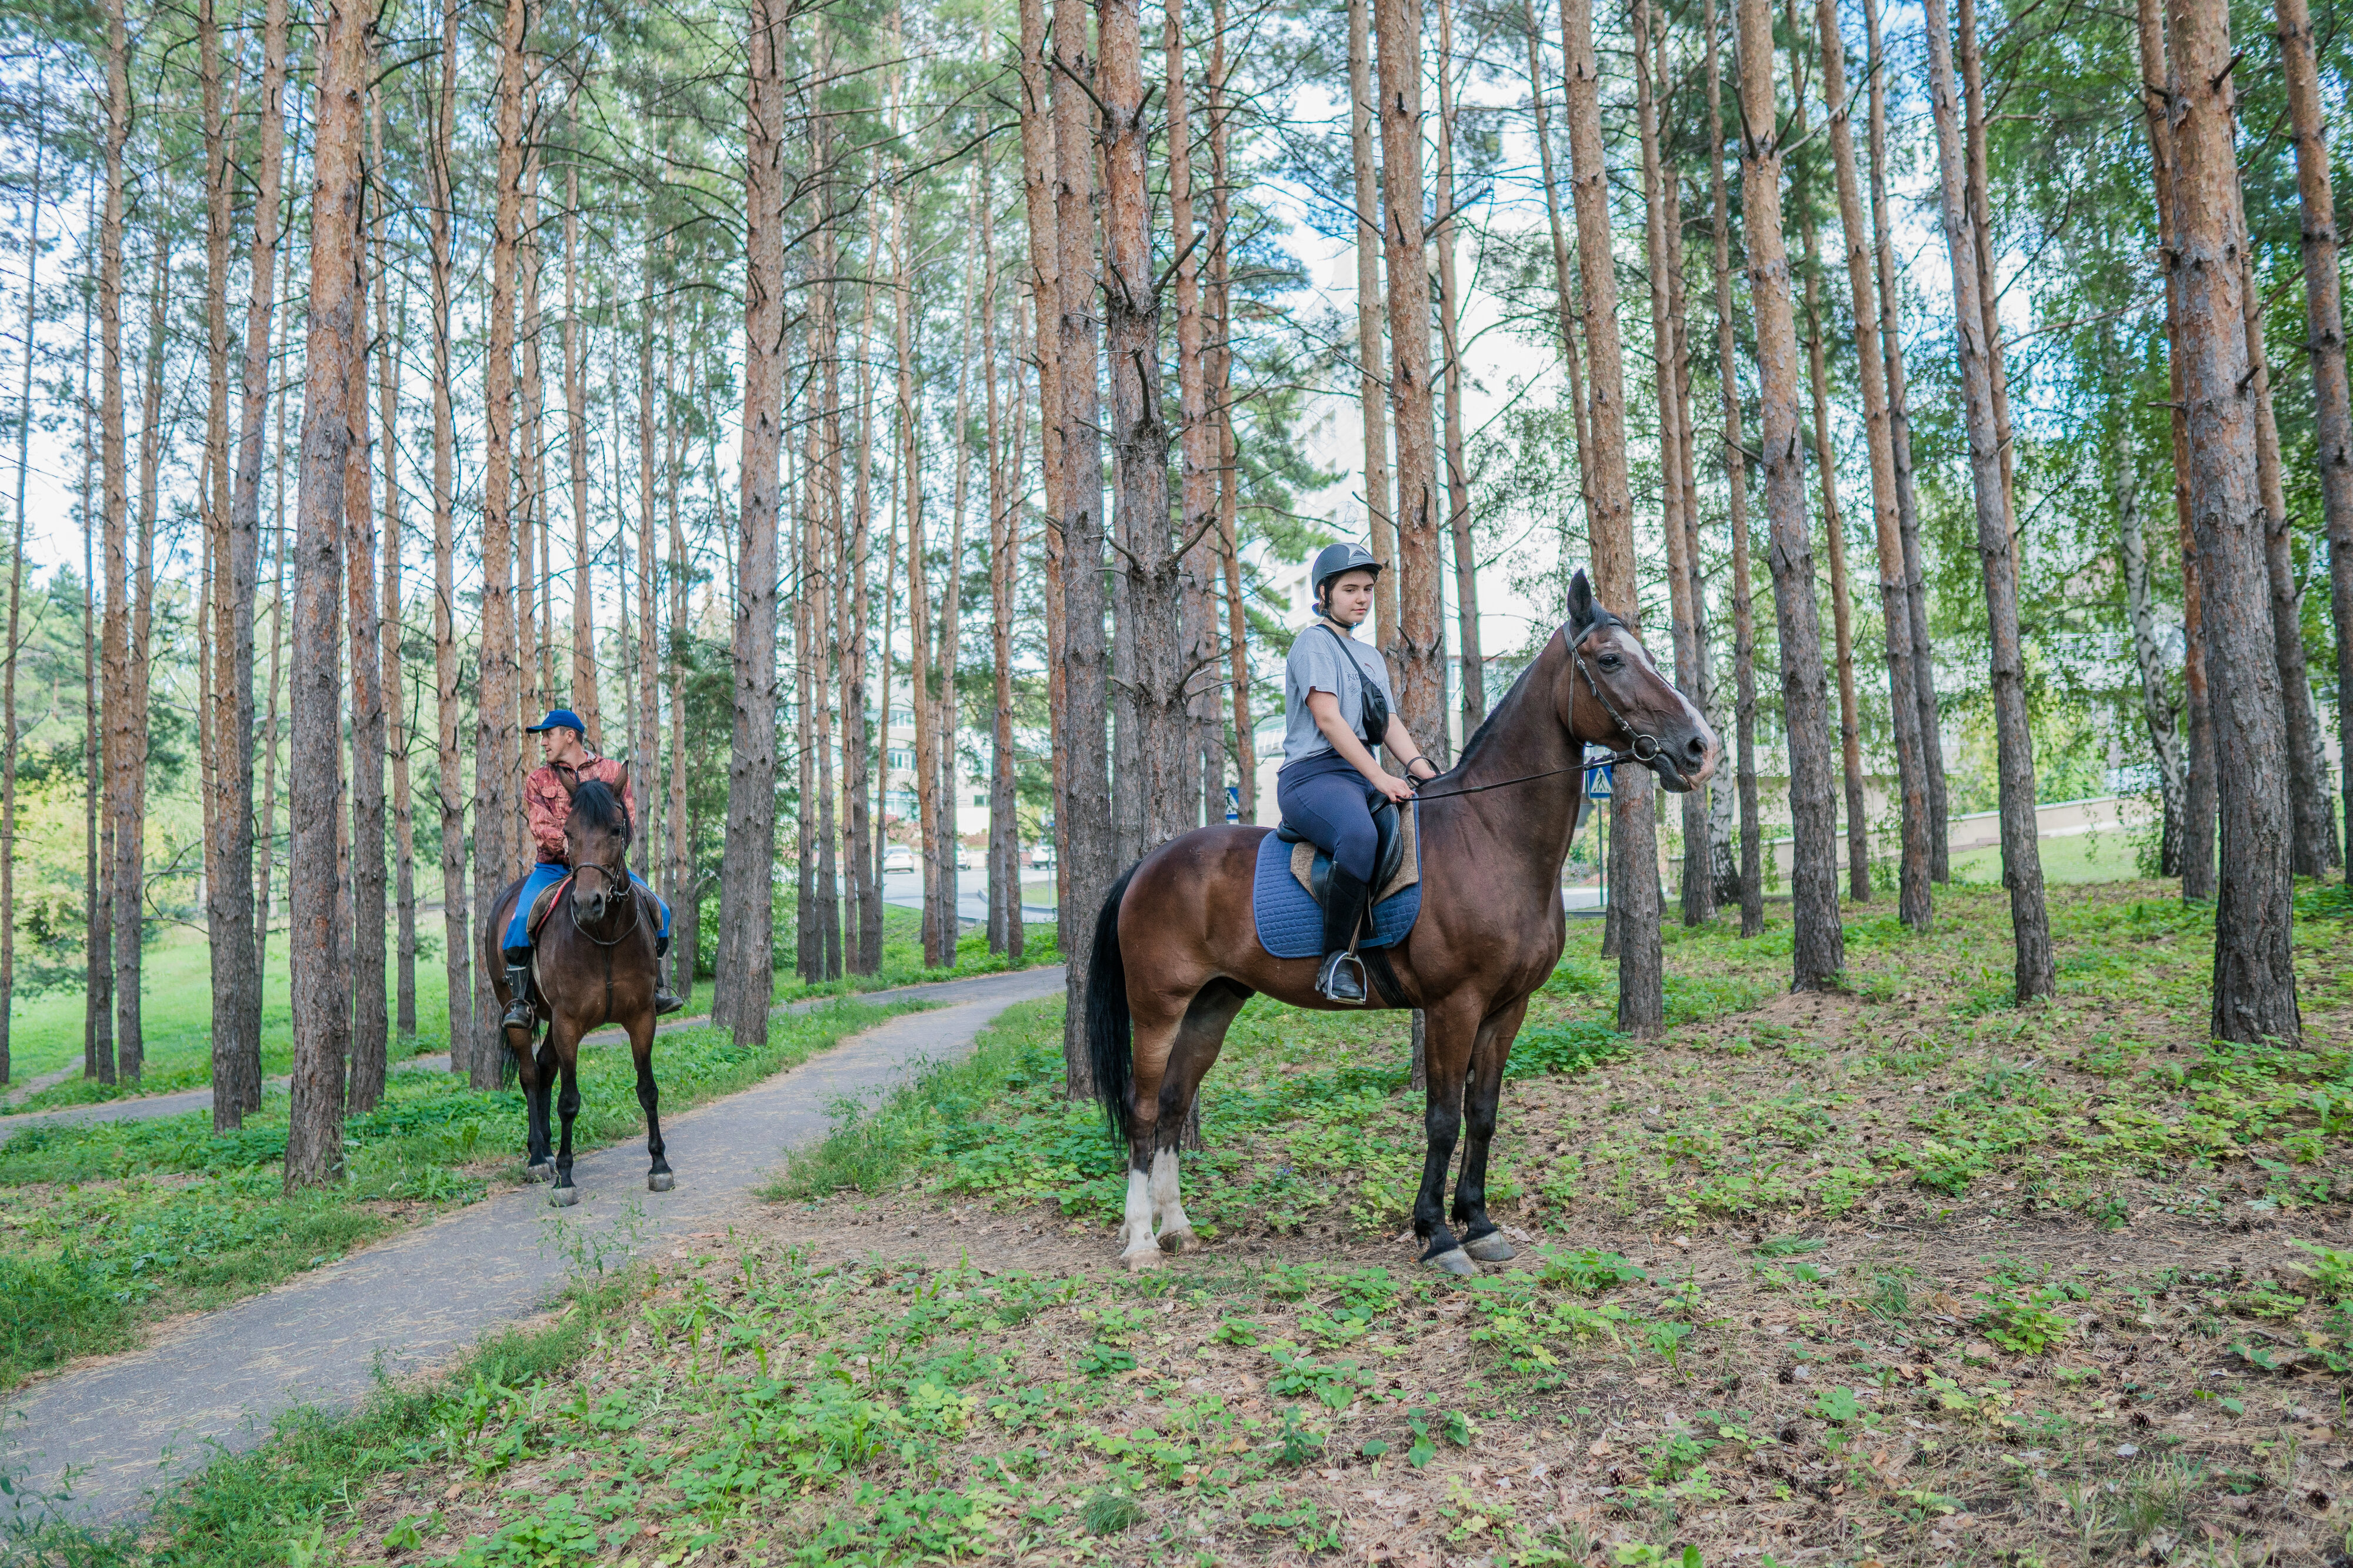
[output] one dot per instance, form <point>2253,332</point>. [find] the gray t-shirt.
<point>1315,665</point>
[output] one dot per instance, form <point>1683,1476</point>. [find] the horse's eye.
<point>1610,661</point>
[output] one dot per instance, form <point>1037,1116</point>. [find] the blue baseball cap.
<point>560,719</point>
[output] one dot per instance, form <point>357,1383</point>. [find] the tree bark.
<point>1372,375</point>
<point>1912,899</point>
<point>1642,995</point>
<point>1200,437</point>
<point>1977,192</point>
<point>2157,710</point>
<point>1564,302</point>
<point>396,718</point>
<point>1649,69</point>
<point>2325,343</point>
<point>120,735</point>
<point>1899,443</point>
<point>1421,634</point>
<point>469,1039</point>
<point>865,954</point>
<point>2021,863</point>
<point>1040,89</point>
<point>98,969</point>
<point>1086,819</point>
<point>2194,862</point>
<point>645,745</point>
<point>945,922</point>
<point>16,564</point>
<point>1751,889</point>
<point>2254,969</point>
<point>369,1045</point>
<point>534,587</point>
<point>1858,839</point>
<point>682,877</point>
<point>1819,947</point>
<point>1472,676</point>
<point>1221,400</point>
<point>744,982</point>
<point>2311,835</point>
<point>497,749</point>
<point>921,703</point>
<point>1004,544</point>
<point>576,447</point>
<point>130,791</point>
<point>316,910</point>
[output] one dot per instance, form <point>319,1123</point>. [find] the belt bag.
<point>1372,705</point>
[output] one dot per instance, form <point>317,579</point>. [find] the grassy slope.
<point>1905,1274</point>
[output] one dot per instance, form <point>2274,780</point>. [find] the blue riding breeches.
<point>544,876</point>
<point>1325,798</point>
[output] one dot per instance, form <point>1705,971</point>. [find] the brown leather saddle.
<point>544,905</point>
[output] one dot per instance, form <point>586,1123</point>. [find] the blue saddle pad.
<point>1291,923</point>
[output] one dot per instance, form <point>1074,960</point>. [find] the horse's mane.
<point>598,807</point>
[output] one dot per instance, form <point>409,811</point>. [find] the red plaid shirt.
<point>547,803</point>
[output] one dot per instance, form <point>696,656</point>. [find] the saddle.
<point>1395,867</point>
<point>544,905</point>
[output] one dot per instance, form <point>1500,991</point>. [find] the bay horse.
<point>593,965</point>
<point>1177,953</point>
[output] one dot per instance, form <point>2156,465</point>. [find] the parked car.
<point>898,858</point>
<point>967,857</point>
<point>1042,855</point>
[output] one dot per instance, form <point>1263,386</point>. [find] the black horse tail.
<point>1111,1055</point>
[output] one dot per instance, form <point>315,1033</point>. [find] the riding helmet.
<point>1334,559</point>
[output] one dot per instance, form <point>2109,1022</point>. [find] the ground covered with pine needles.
<point>1903,1274</point>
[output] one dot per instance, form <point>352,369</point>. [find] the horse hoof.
<point>1177,1240</point>
<point>1491,1248</point>
<point>563,1197</point>
<point>539,1172</point>
<point>660,1182</point>
<point>1137,1262</point>
<point>1457,1263</point>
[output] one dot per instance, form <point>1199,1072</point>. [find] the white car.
<point>1042,855</point>
<point>898,858</point>
<point>967,857</point>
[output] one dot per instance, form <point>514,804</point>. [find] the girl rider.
<point>1336,707</point>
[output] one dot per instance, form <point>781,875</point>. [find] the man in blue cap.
<point>547,805</point>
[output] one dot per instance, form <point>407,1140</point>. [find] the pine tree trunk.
<point>1372,373</point>
<point>1563,304</point>
<point>865,955</point>
<point>532,686</point>
<point>2324,341</point>
<point>1421,635</point>
<point>2194,857</point>
<point>1004,544</point>
<point>370,1016</point>
<point>2254,969</point>
<point>120,735</point>
<point>1977,192</point>
<point>1911,897</point>
<point>575,446</point>
<point>1676,500</point>
<point>1819,947</point>
<point>316,909</point>
<point>1751,889</point>
<point>1858,841</point>
<point>1200,437</point>
<point>808,942</point>
<point>1641,997</point>
<point>2156,707</point>
<point>130,795</point>
<point>1472,676</point>
<point>1039,173</point>
<point>1707,812</point>
<point>921,704</point>
<point>645,745</point>
<point>947,923</point>
<point>744,982</point>
<point>2021,863</point>
<point>16,564</point>
<point>470,1042</point>
<point>396,696</point>
<point>1085,821</point>
<point>1899,443</point>
<point>682,879</point>
<point>497,743</point>
<point>212,516</point>
<point>98,969</point>
<point>1221,388</point>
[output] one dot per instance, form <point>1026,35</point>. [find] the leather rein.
<point>1644,748</point>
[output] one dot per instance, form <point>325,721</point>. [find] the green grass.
<point>2078,857</point>
<point>46,1032</point>
<point>107,1226</point>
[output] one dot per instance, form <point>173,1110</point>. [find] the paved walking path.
<point>128,1423</point>
<point>140,1108</point>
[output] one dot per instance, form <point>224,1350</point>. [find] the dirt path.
<point>140,1108</point>
<point>126,1425</point>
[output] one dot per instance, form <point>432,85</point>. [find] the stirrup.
<point>1342,979</point>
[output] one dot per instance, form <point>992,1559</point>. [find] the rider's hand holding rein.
<point>1348,599</point>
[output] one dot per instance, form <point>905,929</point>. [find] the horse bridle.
<point>628,895</point>
<point>1636,752</point>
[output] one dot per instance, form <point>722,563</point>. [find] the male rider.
<point>547,805</point>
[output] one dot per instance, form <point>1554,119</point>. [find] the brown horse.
<point>1177,950</point>
<point>592,966</point>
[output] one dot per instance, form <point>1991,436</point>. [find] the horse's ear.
<point>1580,602</point>
<point>621,788</point>
<point>570,781</point>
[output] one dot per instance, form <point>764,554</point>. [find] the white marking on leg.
<point>1136,1231</point>
<point>1168,1207</point>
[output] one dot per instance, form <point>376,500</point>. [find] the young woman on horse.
<point>1336,705</point>
<point>547,803</point>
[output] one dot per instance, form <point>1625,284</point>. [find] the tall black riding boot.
<point>517,1014</point>
<point>1341,977</point>
<point>665,999</point>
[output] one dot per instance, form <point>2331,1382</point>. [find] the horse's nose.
<point>1695,749</point>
